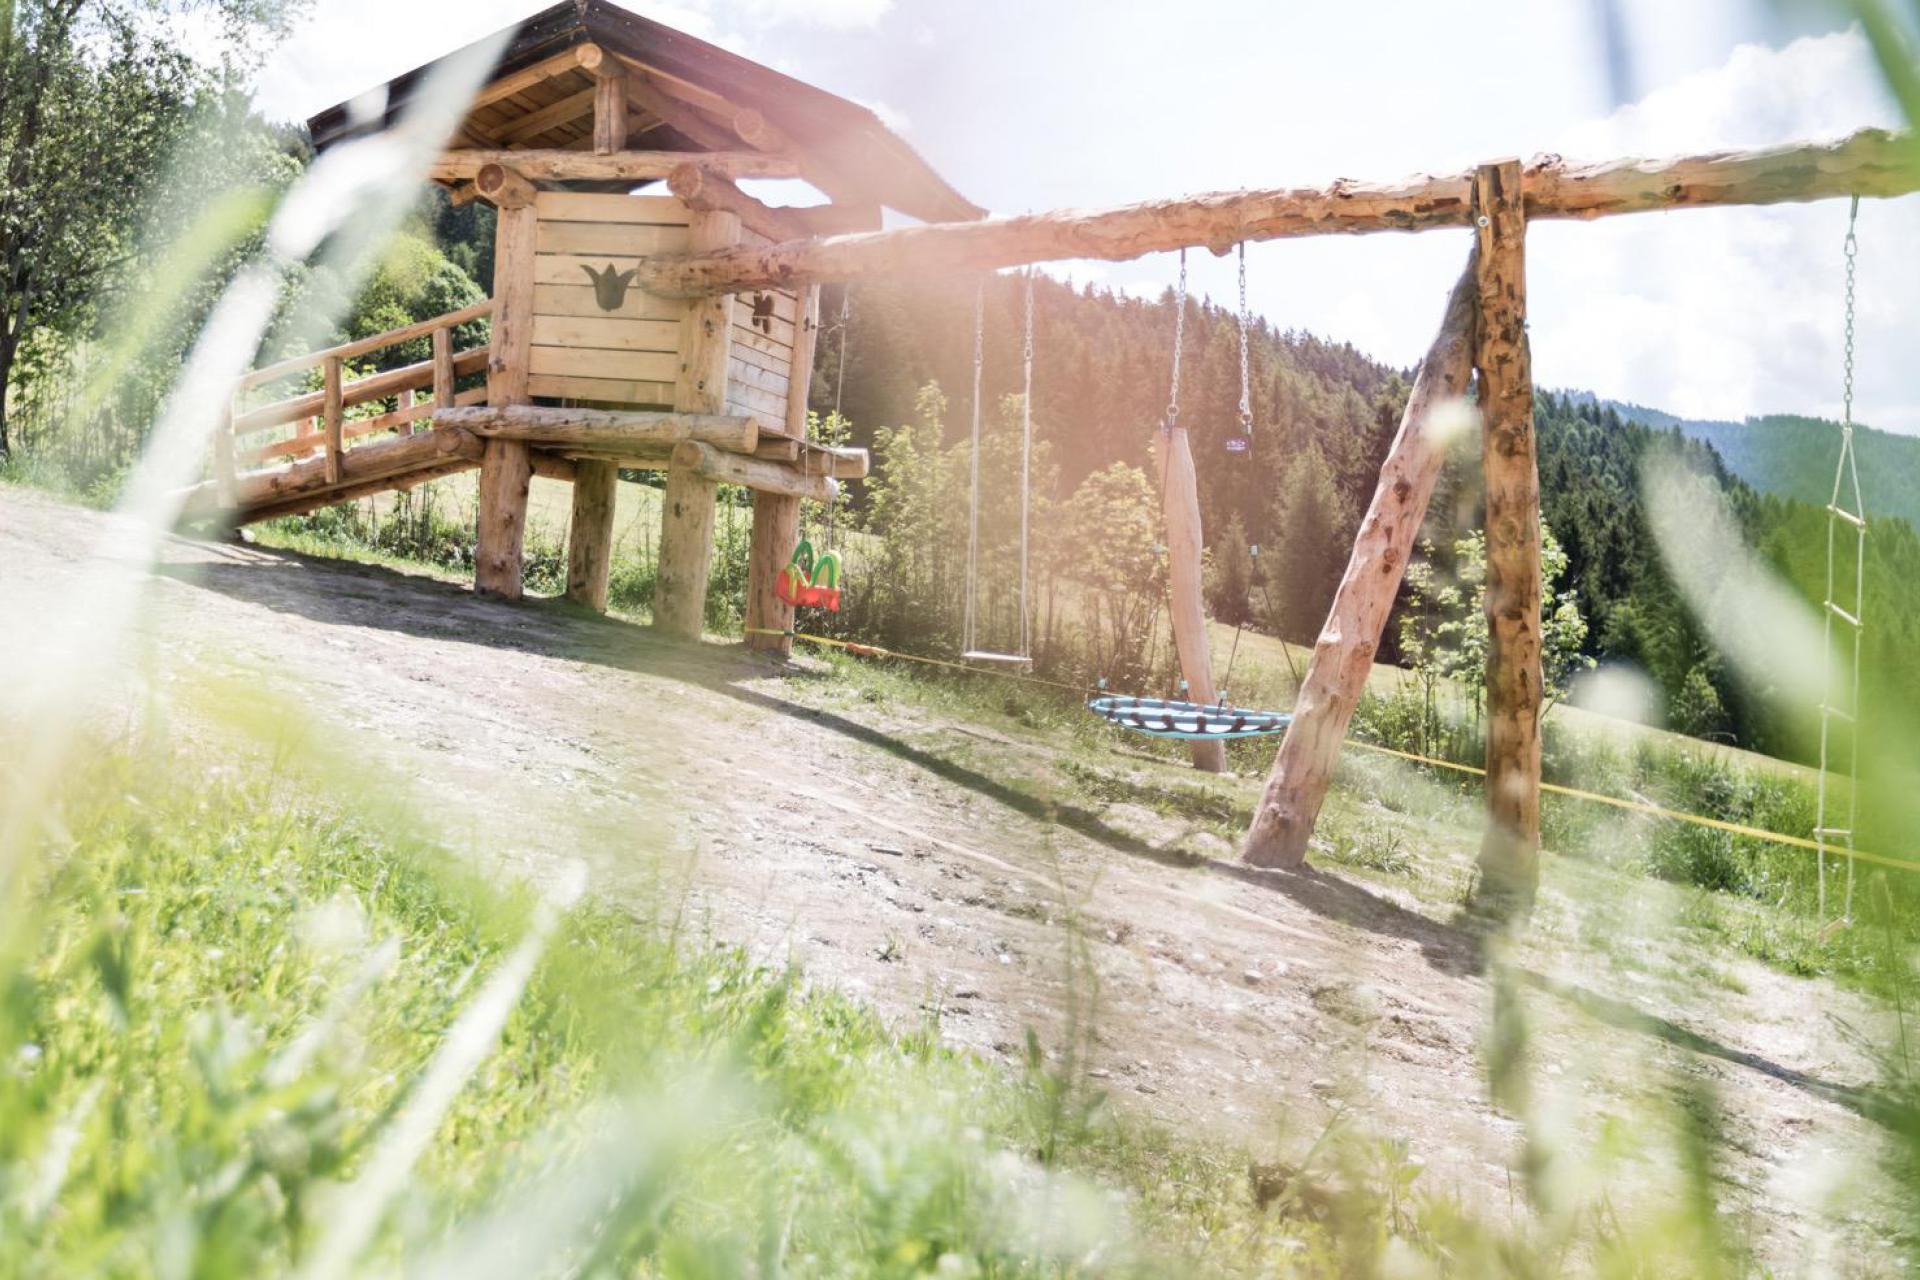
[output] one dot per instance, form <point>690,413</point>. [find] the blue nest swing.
<point>1193,721</point>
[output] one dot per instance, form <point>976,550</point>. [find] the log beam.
<point>503,187</point>
<point>711,193</point>
<point>553,466</point>
<point>549,165</point>
<point>753,473</point>
<point>1180,500</point>
<point>1343,655</point>
<point>677,114</point>
<point>1510,847</point>
<point>1870,163</point>
<point>366,464</point>
<point>604,430</point>
<point>590,535</point>
<point>687,505</point>
<point>399,483</point>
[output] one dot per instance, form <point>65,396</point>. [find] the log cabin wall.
<point>628,353</point>
<point>610,342</point>
<point>760,366</point>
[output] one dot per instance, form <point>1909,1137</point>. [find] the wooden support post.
<point>443,368</point>
<point>506,473</point>
<point>1343,656</point>
<point>590,537</point>
<point>1510,849</point>
<point>333,415</point>
<point>403,421</point>
<point>1180,499</point>
<point>507,467</point>
<point>776,516</point>
<point>687,514</point>
<point>224,473</point>
<point>609,107</point>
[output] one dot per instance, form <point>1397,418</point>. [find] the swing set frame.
<point>1481,340</point>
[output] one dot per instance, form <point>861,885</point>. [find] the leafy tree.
<point>1230,579</point>
<point>1444,627</point>
<point>1309,547</point>
<point>1107,545</point>
<point>95,97</point>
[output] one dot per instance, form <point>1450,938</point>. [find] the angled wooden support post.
<point>506,469</point>
<point>687,506</point>
<point>1510,848</point>
<point>1180,499</point>
<point>1343,656</point>
<point>776,516</point>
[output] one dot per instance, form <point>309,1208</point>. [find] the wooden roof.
<point>684,95</point>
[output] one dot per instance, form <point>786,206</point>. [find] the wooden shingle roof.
<point>685,95</point>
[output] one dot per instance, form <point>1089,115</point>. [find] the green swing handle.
<point>802,559</point>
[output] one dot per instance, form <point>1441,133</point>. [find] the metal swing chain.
<point>1246,381</point>
<point>973,507</point>
<point>1179,335</point>
<point>1166,440</point>
<point>1851,248</point>
<point>1026,459</point>
<point>1246,430</point>
<point>839,382</point>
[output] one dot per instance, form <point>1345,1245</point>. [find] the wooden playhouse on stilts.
<point>602,140</point>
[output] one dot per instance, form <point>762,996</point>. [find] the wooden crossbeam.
<point>1872,162</point>
<point>560,164</point>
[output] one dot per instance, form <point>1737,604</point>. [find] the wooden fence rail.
<point>323,413</point>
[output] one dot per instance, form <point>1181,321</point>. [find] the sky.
<point>1027,105</point>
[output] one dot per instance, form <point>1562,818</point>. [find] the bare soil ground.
<point>905,858</point>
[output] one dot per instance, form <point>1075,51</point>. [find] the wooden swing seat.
<point>986,655</point>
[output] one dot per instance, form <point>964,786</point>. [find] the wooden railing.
<point>322,415</point>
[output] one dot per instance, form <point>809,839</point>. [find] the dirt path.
<point>1246,1005</point>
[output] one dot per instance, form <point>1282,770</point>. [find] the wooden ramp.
<point>318,454</point>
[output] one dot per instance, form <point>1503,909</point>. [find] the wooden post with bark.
<point>596,487</point>
<point>1510,848</point>
<point>1180,500</point>
<point>687,506</point>
<point>1343,656</point>
<point>776,516</point>
<point>333,416</point>
<point>506,470</point>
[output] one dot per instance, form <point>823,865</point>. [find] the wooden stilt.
<point>1181,501</point>
<point>1510,849</point>
<point>506,470</point>
<point>776,516</point>
<point>507,466</point>
<point>590,536</point>
<point>686,522</point>
<point>1343,656</point>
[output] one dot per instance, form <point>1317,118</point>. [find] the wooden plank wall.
<point>581,351</point>
<point>630,356</point>
<point>760,367</point>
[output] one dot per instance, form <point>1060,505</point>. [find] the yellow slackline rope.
<point>1633,806</point>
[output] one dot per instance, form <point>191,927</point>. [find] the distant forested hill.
<point>1794,457</point>
<point>1324,415</point>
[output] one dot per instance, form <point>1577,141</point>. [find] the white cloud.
<point>1729,312</point>
<point>837,14</point>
